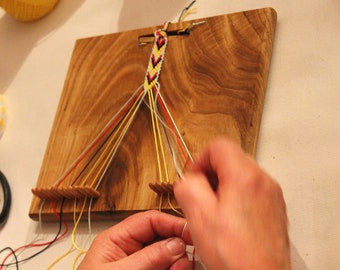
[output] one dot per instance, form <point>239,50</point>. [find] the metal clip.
<point>186,30</point>
<point>149,38</point>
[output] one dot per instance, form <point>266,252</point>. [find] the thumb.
<point>160,255</point>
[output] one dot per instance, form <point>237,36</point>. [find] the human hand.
<point>144,241</point>
<point>235,212</point>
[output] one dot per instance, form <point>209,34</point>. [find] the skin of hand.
<point>236,213</point>
<point>147,240</point>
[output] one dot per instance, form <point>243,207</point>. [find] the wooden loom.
<point>213,81</point>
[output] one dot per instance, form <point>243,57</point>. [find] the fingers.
<point>138,230</point>
<point>223,162</point>
<point>207,183</point>
<point>198,203</point>
<point>210,170</point>
<point>196,193</point>
<point>220,160</point>
<point>229,202</point>
<point>160,255</point>
<point>195,196</point>
<point>146,226</point>
<point>131,239</point>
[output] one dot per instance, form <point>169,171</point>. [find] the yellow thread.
<point>76,222</point>
<point>188,12</point>
<point>60,258</point>
<point>122,125</point>
<point>162,148</point>
<point>74,245</point>
<point>155,136</point>
<point>158,140</point>
<point>129,118</point>
<point>160,202</point>
<point>76,260</point>
<point>108,156</point>
<point>172,207</point>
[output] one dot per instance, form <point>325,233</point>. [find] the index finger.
<point>144,227</point>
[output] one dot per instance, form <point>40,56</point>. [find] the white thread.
<point>97,137</point>
<point>183,230</point>
<point>160,118</point>
<point>121,138</point>
<point>177,131</point>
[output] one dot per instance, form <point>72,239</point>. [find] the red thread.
<point>155,61</point>
<point>44,243</point>
<point>160,41</point>
<point>111,125</point>
<point>151,78</point>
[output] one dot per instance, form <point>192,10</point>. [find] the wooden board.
<point>213,81</point>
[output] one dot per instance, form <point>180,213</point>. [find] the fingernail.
<point>176,246</point>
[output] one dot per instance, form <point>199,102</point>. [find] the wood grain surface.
<point>213,81</point>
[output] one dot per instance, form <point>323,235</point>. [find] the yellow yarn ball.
<point>2,116</point>
<point>28,10</point>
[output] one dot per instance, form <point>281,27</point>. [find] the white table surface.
<point>300,133</point>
